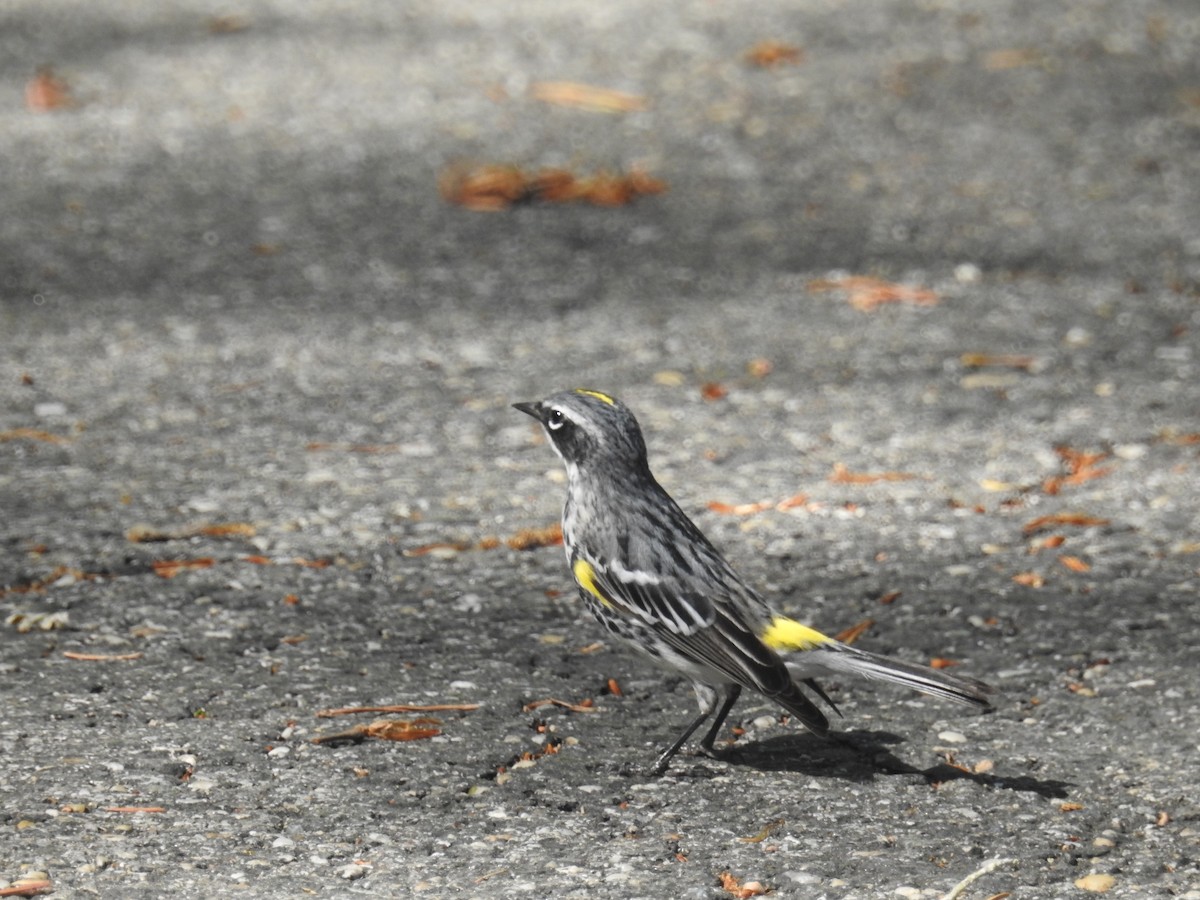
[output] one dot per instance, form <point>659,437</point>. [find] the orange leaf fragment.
<point>556,186</point>
<point>792,502</point>
<point>532,538</point>
<point>257,560</point>
<point>1183,440</point>
<point>311,563</point>
<point>1070,806</point>
<point>586,97</point>
<point>46,91</point>
<point>1064,518</point>
<point>32,434</point>
<point>403,729</point>
<point>865,293</point>
<point>854,632</point>
<point>1049,542</point>
<point>487,188</point>
<point>1029,579</point>
<point>768,53</point>
<point>228,529</point>
<point>940,662</point>
<point>614,687</point>
<point>169,568</point>
<point>436,547</point>
<point>1080,467</point>
<point>713,390</point>
<point>27,887</point>
<point>739,509</point>
<point>385,730</point>
<point>100,657</point>
<point>736,888</point>
<point>760,367</point>
<point>1074,563</point>
<point>842,475</point>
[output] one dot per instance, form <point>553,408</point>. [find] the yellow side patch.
<point>788,634</point>
<point>585,577</point>
<point>603,398</point>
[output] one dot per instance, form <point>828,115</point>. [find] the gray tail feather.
<point>850,660</point>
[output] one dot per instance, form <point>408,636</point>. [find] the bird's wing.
<point>694,621</point>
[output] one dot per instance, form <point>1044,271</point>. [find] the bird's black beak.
<point>530,409</point>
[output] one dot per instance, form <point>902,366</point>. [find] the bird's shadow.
<point>862,756</point>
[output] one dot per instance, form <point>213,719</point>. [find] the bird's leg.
<point>706,696</point>
<point>731,696</point>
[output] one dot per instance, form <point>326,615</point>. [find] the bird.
<point>654,581</point>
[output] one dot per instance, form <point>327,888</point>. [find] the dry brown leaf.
<point>1063,518</point>
<point>1080,467</point>
<point>1029,579</point>
<point>386,730</point>
<point>760,367</point>
<point>997,360</point>
<point>739,509</point>
<point>490,188</point>
<point>435,547</point>
<point>100,657</point>
<point>532,538</point>
<point>46,92</point>
<point>769,53</point>
<point>842,475</point>
<point>586,97</point>
<point>1070,806</point>
<point>854,632</point>
<point>865,293</point>
<point>614,687</point>
<point>487,188</point>
<point>169,568</point>
<point>27,887</point>
<point>556,186</point>
<point>144,534</point>
<point>940,662</point>
<point>1074,563</point>
<point>741,890</point>
<point>32,434</point>
<point>1049,542</point>
<point>585,706</point>
<point>1183,440</point>
<point>767,830</point>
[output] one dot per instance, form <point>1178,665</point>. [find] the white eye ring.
<point>556,420</point>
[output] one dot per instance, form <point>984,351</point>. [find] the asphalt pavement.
<point>911,331</point>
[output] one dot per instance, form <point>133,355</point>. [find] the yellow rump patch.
<point>787,634</point>
<point>603,398</point>
<point>585,577</point>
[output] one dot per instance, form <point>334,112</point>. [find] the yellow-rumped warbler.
<point>651,578</point>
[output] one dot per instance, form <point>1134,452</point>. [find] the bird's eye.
<point>555,420</point>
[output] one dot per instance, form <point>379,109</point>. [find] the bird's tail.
<point>836,658</point>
